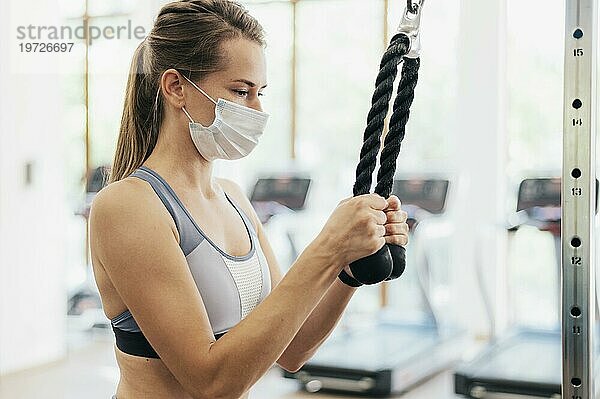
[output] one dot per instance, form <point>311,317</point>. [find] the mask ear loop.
<point>199,89</point>
<point>188,115</point>
<point>156,107</point>
<point>155,110</point>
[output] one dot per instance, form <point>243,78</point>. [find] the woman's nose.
<point>256,105</point>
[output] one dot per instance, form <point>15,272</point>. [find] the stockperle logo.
<point>85,31</point>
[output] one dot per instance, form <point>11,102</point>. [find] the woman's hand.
<point>396,228</point>
<point>355,229</point>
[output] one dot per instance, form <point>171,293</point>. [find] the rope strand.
<point>384,87</point>
<point>395,136</point>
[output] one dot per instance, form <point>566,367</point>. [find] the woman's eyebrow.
<point>249,83</point>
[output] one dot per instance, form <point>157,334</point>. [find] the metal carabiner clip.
<point>410,26</point>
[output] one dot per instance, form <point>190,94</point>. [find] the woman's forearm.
<point>318,326</point>
<point>247,351</point>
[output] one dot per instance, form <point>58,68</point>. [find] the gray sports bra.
<point>230,286</point>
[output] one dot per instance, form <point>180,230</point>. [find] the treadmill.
<point>388,356</point>
<point>527,362</point>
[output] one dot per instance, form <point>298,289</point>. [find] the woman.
<point>194,293</point>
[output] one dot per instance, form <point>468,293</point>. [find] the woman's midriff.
<point>143,377</point>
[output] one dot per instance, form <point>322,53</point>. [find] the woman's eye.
<point>261,94</point>
<point>242,93</point>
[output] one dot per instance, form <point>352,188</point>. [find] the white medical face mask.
<point>234,132</point>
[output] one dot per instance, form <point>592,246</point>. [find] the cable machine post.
<point>578,199</point>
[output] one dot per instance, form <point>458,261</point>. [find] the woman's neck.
<point>176,158</point>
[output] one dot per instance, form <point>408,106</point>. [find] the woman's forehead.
<point>245,60</point>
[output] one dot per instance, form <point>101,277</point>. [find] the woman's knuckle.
<point>366,216</point>
<point>372,229</point>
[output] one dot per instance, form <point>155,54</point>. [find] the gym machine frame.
<point>578,199</point>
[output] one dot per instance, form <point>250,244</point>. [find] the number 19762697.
<point>46,47</point>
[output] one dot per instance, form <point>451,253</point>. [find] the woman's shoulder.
<point>127,212</point>
<point>128,199</point>
<point>122,193</point>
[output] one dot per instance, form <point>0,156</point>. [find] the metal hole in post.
<point>575,311</point>
<point>577,103</point>
<point>576,382</point>
<point>576,242</point>
<point>578,34</point>
<point>576,173</point>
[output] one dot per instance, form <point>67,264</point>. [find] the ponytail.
<point>139,131</point>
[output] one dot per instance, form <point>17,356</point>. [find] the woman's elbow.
<point>292,369</point>
<point>290,365</point>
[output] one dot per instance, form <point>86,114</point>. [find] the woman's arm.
<point>323,319</point>
<point>326,315</point>
<point>132,238</point>
<point>317,327</point>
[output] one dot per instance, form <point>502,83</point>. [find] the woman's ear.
<point>171,83</point>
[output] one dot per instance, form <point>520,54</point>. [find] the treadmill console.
<point>539,193</point>
<point>271,196</point>
<point>288,191</point>
<point>426,194</point>
<point>97,179</point>
<point>540,199</point>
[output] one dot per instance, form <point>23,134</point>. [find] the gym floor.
<point>90,371</point>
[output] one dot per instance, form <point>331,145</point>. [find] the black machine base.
<point>527,363</point>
